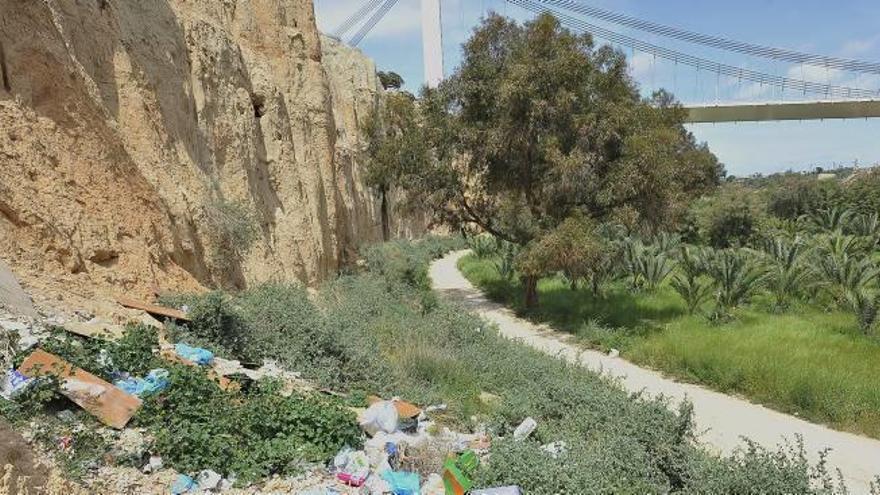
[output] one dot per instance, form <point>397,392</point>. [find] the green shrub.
<point>729,219</point>
<point>199,426</point>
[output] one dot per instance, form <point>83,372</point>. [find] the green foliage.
<point>404,260</point>
<point>765,355</point>
<point>647,266</point>
<point>390,79</point>
<point>506,264</point>
<point>199,426</point>
<point>795,196</point>
<point>730,219</point>
<point>506,136</point>
<point>484,245</point>
<point>217,324</point>
<point>689,284</point>
<point>830,220</point>
<point>788,273</point>
<point>737,278</point>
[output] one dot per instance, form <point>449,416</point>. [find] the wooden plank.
<point>153,309</point>
<point>103,400</point>
<point>99,330</point>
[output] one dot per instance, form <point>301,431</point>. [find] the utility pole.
<point>432,42</point>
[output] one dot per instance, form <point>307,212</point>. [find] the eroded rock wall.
<point>123,121</point>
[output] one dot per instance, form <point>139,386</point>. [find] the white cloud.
<point>854,48</point>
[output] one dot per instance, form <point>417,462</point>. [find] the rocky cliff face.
<point>124,124</point>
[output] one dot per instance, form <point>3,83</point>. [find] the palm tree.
<point>787,274</point>
<point>832,219</point>
<point>736,278</point>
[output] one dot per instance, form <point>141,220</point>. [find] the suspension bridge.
<point>815,100</point>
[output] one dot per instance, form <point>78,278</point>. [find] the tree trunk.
<point>531,286</point>
<point>386,227</point>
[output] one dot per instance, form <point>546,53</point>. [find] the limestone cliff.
<point>124,123</point>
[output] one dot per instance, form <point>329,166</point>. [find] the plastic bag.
<point>525,429</point>
<point>381,416</point>
<point>155,382</point>
<point>13,384</point>
<point>352,467</point>
<point>195,354</point>
<point>402,483</point>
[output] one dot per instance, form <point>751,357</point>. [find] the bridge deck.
<point>785,111</point>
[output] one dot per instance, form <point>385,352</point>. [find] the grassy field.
<point>805,361</point>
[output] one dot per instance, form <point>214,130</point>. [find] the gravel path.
<point>723,419</point>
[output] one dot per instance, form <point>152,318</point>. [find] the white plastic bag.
<point>381,416</point>
<point>525,429</point>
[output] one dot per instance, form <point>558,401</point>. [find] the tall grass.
<point>814,363</point>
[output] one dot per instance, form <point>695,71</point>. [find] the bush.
<point>730,219</point>
<point>254,435</point>
<point>232,229</point>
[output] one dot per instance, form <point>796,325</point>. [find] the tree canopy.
<point>390,80</point>
<point>537,123</point>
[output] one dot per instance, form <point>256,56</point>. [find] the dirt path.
<point>724,419</point>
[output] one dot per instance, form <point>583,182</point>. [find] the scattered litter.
<point>64,443</point>
<point>106,402</point>
<point>155,382</point>
<point>525,429</point>
<point>504,490</point>
<point>183,484</point>
<point>404,409</point>
<point>83,390</point>
<point>401,482</point>
<point>434,486</point>
<point>13,384</point>
<point>209,480</point>
<point>381,416</point>
<point>154,464</point>
<point>352,467</point>
<point>555,449</point>
<point>153,309</point>
<point>457,473</point>
<point>614,353</point>
<point>197,355</point>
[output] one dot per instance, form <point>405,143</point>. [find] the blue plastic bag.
<point>402,483</point>
<point>155,382</point>
<point>183,484</point>
<point>195,354</point>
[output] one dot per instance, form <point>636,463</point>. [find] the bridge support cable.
<point>354,19</point>
<point>371,22</point>
<point>717,42</point>
<point>699,63</point>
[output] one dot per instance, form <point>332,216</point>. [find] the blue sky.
<point>847,28</point>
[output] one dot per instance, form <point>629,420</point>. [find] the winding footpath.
<point>722,420</point>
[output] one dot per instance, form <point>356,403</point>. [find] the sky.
<point>846,28</point>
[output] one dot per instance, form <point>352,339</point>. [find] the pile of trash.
<point>405,451</point>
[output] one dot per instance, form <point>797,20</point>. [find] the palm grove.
<point>537,137</point>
